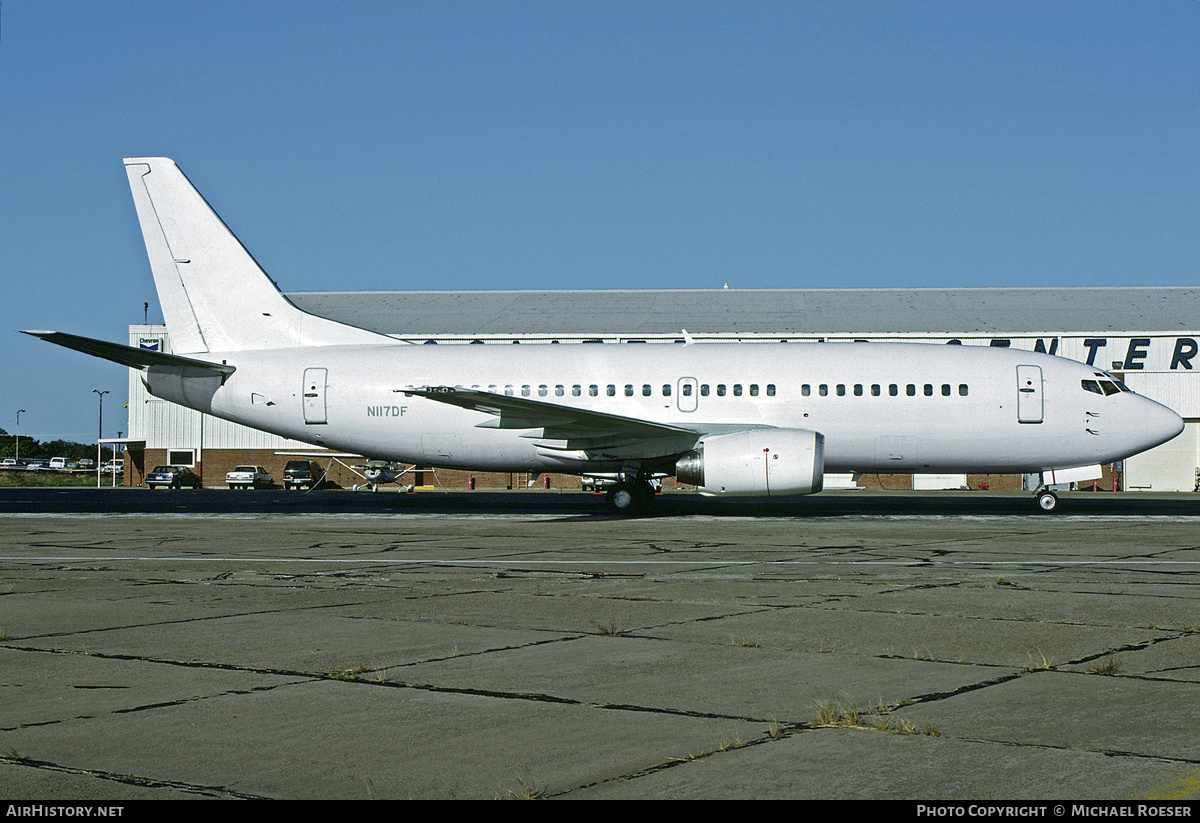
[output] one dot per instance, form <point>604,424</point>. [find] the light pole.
<point>99,433</point>
<point>17,442</point>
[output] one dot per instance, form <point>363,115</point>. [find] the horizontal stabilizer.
<point>129,356</point>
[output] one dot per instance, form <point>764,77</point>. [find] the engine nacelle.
<point>756,462</point>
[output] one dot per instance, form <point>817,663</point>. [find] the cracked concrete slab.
<point>211,654</point>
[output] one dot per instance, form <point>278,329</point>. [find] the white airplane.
<point>729,418</point>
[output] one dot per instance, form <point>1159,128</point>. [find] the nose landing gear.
<point>1047,500</point>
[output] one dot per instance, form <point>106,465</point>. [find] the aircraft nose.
<point>1162,424</point>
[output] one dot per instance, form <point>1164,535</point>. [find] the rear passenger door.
<point>314,395</point>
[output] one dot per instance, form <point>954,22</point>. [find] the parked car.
<point>243,477</point>
<point>114,466</point>
<point>305,473</point>
<point>58,463</point>
<point>173,477</point>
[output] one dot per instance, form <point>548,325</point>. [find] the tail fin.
<point>214,295</point>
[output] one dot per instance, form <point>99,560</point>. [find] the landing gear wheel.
<point>621,500</point>
<point>1047,501</point>
<point>630,499</point>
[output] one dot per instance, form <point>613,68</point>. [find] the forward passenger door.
<point>1029,394</point>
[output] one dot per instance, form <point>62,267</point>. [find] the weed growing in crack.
<point>1035,666</point>
<point>527,791</point>
<point>347,674</point>
<point>835,714</point>
<point>1109,665</point>
<point>611,628</point>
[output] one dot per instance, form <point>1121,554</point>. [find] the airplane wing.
<point>563,428</point>
<point>129,356</point>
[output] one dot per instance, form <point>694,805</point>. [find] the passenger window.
<point>910,390</point>
<point>945,390</point>
<point>646,390</point>
<point>805,390</point>
<point>823,390</point>
<point>508,390</point>
<point>525,390</point>
<point>629,390</point>
<point>720,390</point>
<point>929,390</point>
<point>576,390</point>
<point>667,389</point>
<point>593,390</point>
<point>875,390</point>
<point>841,389</point>
<point>754,390</point>
<point>893,390</point>
<point>612,390</point>
<point>962,389</point>
<point>858,390</point>
<point>542,390</point>
<point>704,390</point>
<point>685,389</point>
<point>737,389</point>
<point>770,390</point>
<point>559,391</point>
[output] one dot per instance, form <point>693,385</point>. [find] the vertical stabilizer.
<point>214,295</point>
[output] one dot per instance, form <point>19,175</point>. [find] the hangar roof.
<point>764,311</point>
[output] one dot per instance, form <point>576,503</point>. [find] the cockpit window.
<point>1107,384</point>
<point>1116,385</point>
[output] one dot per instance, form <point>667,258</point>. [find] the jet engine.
<point>756,462</point>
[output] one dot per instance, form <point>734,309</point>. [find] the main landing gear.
<point>630,498</point>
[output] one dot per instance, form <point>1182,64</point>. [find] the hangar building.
<point>1149,337</point>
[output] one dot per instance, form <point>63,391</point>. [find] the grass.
<point>32,480</point>
<point>835,714</point>
<point>526,791</point>
<point>1109,665</point>
<point>611,628</point>
<point>1036,666</point>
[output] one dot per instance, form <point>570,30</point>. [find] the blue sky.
<point>547,145</point>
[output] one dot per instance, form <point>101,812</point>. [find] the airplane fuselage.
<point>881,407</point>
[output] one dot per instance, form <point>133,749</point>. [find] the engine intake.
<point>756,462</point>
